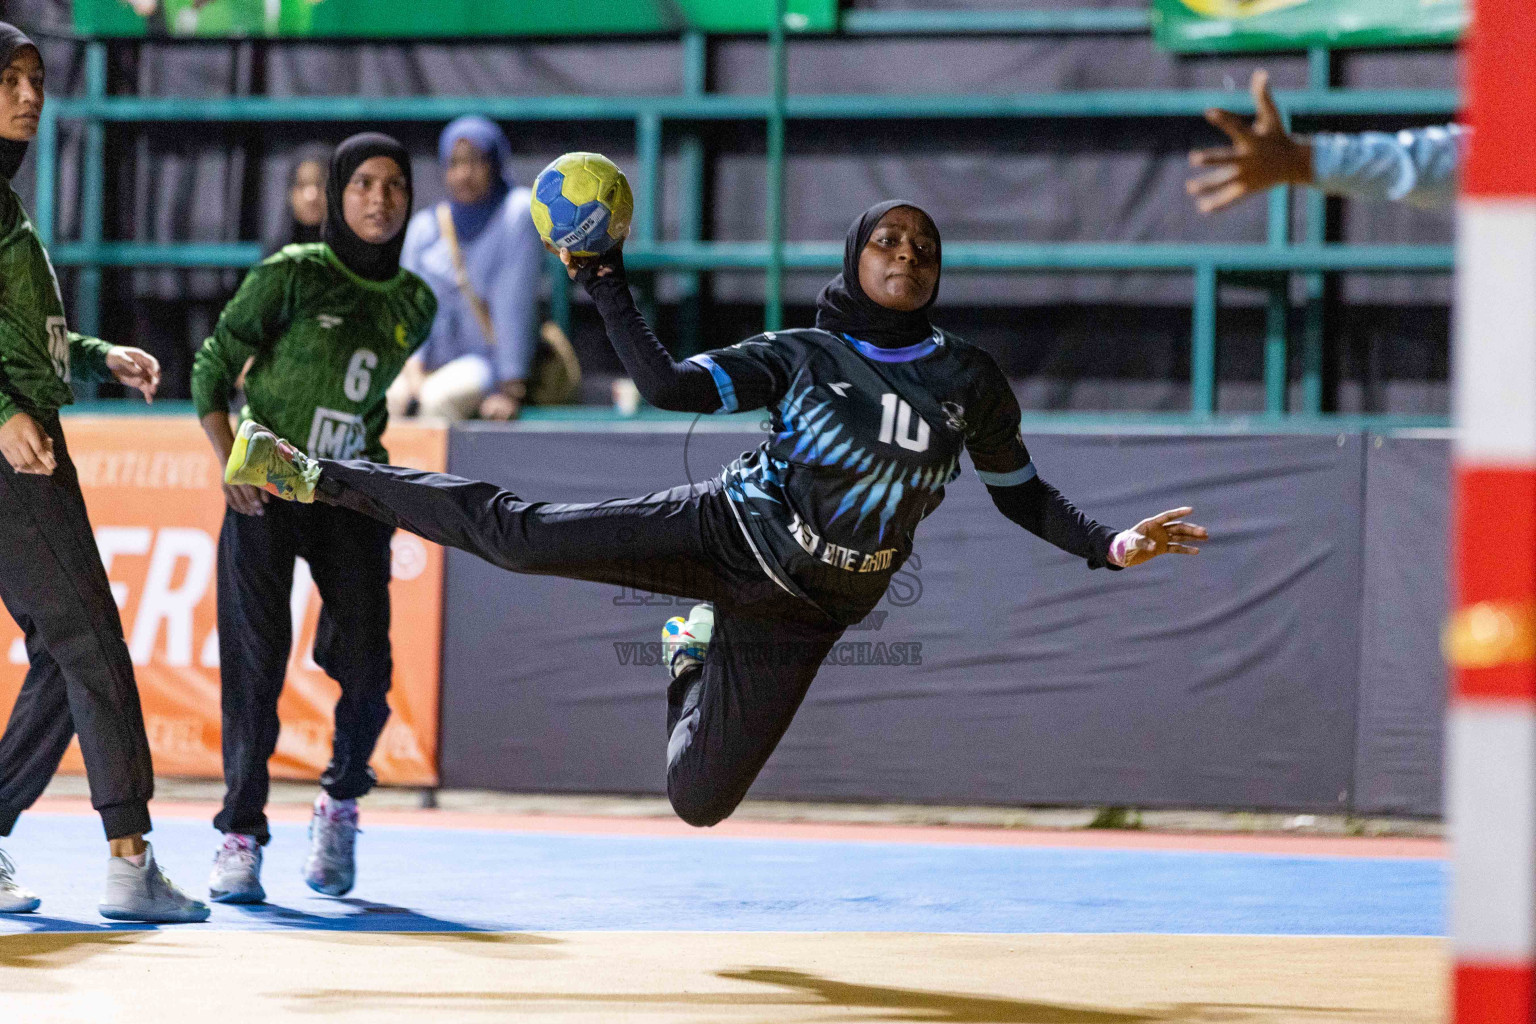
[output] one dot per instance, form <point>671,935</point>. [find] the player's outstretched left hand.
<point>1261,156</point>
<point>135,368</point>
<point>1157,535</point>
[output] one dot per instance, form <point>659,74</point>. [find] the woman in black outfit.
<point>793,542</point>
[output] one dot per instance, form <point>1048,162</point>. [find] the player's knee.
<point>701,805</point>
<point>365,668</point>
<point>398,398</point>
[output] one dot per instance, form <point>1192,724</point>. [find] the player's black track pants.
<point>81,679</point>
<point>722,722</point>
<point>349,558</point>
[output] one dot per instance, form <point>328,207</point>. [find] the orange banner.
<point>152,487</point>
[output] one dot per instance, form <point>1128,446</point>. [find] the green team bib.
<point>323,347</point>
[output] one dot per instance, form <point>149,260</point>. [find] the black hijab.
<point>375,262</point>
<point>843,308</point>
<point>12,39</point>
<point>294,232</point>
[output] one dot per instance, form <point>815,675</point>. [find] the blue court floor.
<point>443,880</point>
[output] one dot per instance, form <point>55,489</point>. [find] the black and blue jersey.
<point>864,441</point>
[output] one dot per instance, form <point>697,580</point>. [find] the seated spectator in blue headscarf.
<point>481,255</point>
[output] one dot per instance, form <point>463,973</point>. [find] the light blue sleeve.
<point>513,294</point>
<point>420,233</point>
<point>1417,167</point>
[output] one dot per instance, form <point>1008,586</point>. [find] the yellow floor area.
<point>191,977</point>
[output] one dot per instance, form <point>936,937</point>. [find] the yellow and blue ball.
<point>582,202</point>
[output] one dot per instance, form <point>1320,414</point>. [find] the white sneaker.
<point>684,642</point>
<point>236,874</point>
<point>14,899</point>
<point>331,866</point>
<point>144,894</point>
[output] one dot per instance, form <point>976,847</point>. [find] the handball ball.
<point>582,202</point>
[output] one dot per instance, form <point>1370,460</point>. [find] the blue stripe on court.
<point>418,879</point>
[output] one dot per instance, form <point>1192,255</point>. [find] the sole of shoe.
<point>326,890</point>
<point>24,907</point>
<point>125,914</point>
<point>238,898</point>
<point>257,450</point>
<point>239,454</point>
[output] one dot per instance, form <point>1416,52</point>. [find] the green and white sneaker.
<point>684,642</point>
<point>262,459</point>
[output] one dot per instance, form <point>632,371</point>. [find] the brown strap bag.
<point>555,373</point>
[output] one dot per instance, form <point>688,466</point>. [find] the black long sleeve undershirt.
<point>662,381</point>
<point>1040,509</point>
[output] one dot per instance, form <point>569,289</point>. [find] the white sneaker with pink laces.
<point>236,874</point>
<point>331,866</point>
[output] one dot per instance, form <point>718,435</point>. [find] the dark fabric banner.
<point>1402,676</point>
<point>1091,341</point>
<point>1227,680</point>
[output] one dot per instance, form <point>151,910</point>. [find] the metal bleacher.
<point>658,120</point>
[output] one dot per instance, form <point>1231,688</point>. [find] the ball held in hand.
<point>582,202</point>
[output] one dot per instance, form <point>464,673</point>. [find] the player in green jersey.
<point>324,328</point>
<point>51,576</point>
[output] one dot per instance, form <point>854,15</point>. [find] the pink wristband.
<point>1117,548</point>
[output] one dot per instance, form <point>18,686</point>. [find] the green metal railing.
<point>1269,265</point>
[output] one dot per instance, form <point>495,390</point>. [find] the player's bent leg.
<point>61,586</point>
<point>350,559</point>
<point>453,391</point>
<point>255,583</point>
<point>63,590</point>
<point>38,733</point>
<point>349,556</point>
<point>726,716</point>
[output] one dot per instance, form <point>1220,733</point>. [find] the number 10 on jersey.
<point>896,424</point>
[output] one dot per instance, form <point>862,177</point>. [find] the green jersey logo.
<point>336,435</point>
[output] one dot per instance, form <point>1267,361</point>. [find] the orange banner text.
<point>152,488</point>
